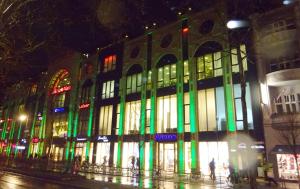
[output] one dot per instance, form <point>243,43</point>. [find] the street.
<point>15,181</point>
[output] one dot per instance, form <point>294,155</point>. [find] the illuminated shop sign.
<point>165,137</point>
<point>83,106</point>
<point>35,140</point>
<point>80,139</point>
<point>20,147</point>
<point>58,110</point>
<point>102,139</point>
<point>61,90</point>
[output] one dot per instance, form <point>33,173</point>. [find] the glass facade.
<point>167,114</point>
<point>166,76</point>
<point>105,120</point>
<point>108,89</point>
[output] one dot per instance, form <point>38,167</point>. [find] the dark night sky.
<point>34,32</point>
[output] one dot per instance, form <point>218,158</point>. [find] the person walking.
<point>212,168</point>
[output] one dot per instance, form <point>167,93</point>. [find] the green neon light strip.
<point>32,128</point>
<point>67,150</point>
<point>18,138</point>
<point>228,89</point>
<point>3,135</point>
<point>181,157</point>
<point>194,155</point>
<point>76,124</point>
<point>121,123</point>
<point>119,155</point>
<point>151,152</point>
<point>42,129</point>
<point>180,105</point>
<point>72,150</point>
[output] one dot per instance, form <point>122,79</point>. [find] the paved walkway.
<point>92,181</point>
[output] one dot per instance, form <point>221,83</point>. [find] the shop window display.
<point>287,167</point>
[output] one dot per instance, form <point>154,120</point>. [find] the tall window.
<point>105,121</point>
<point>132,117</point>
<point>60,90</point>
<point>234,59</point>
<point>238,107</point>
<point>134,83</point>
<point>209,65</point>
<point>60,126</point>
<point>207,110</point>
<point>167,114</point>
<point>149,81</point>
<point>108,89</point>
<point>186,73</point>
<point>109,63</point>
<point>148,113</point>
<point>118,120</point>
<point>86,91</point>
<point>186,112</point>
<point>166,76</point>
<point>59,100</point>
<point>83,122</point>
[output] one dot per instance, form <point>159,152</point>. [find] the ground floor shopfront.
<point>284,162</point>
<point>165,156</point>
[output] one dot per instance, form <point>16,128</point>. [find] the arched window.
<point>60,88</point>
<point>166,71</point>
<point>208,57</point>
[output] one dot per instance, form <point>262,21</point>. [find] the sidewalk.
<point>71,180</point>
<point>93,181</point>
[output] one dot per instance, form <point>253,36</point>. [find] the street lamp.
<point>22,117</point>
<point>236,25</point>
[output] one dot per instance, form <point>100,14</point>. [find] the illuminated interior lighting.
<point>185,30</point>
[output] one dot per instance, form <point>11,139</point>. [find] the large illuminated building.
<point>170,100</point>
<point>277,47</point>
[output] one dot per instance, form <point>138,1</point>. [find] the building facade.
<point>171,100</point>
<point>277,47</point>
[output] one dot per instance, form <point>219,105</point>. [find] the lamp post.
<point>21,118</point>
<point>237,25</point>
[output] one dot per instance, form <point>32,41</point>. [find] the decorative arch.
<point>60,82</point>
<point>208,47</point>
<point>135,68</point>
<point>166,59</point>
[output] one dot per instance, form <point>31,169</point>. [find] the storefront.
<point>81,149</point>
<point>286,162</point>
<point>217,151</point>
<point>130,155</point>
<point>103,151</point>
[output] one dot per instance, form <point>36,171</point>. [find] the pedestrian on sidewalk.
<point>212,168</point>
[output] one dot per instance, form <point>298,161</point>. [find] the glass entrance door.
<point>167,157</point>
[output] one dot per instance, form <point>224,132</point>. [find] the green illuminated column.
<point>5,123</point>
<point>193,95</point>
<point>180,119</point>
<point>143,121</point>
<point>11,135</point>
<point>3,134</point>
<point>91,113</point>
<point>42,130</point>
<point>32,127</point>
<point>121,123</point>
<point>18,137</point>
<point>228,90</point>
<point>229,102</point>
<point>152,143</point>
